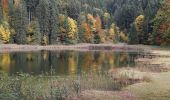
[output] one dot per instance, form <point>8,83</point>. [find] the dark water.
<point>64,62</point>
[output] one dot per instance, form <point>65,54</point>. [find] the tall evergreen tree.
<point>19,22</point>
<point>43,15</point>
<point>53,22</point>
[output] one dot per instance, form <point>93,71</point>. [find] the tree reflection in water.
<point>64,62</point>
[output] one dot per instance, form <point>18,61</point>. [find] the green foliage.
<point>133,36</point>
<point>33,33</point>
<point>160,34</point>
<point>28,87</point>
<point>121,12</point>
<point>19,22</point>
<point>43,15</point>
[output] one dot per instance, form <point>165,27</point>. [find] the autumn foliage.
<point>139,22</point>
<point>72,32</point>
<point>5,9</point>
<point>161,34</point>
<point>5,32</point>
<point>83,21</point>
<point>87,34</point>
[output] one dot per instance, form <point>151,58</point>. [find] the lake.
<point>65,62</point>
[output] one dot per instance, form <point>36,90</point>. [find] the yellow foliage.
<point>73,29</point>
<point>103,39</point>
<point>13,32</point>
<point>112,32</point>
<point>62,19</point>
<point>30,28</point>
<point>29,39</point>
<point>16,3</point>
<point>139,21</point>
<point>45,40</point>
<point>123,36</point>
<point>5,33</point>
<point>106,16</point>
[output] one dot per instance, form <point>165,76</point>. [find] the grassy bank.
<point>28,87</point>
<point>148,80</point>
<point>157,89</point>
<point>158,69</point>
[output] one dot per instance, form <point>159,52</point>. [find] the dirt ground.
<point>77,47</point>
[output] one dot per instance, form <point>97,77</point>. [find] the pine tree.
<point>53,22</point>
<point>43,15</point>
<point>19,22</point>
<point>133,36</point>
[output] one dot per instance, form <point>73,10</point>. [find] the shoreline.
<point>76,47</point>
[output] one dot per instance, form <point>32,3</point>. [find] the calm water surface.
<point>64,62</point>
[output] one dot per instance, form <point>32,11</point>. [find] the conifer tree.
<point>19,22</point>
<point>43,15</point>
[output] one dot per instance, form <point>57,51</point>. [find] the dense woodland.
<point>43,22</point>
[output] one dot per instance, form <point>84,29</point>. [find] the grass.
<point>28,87</point>
<point>158,86</point>
<point>157,89</point>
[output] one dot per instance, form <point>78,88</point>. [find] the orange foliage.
<point>91,22</point>
<point>98,25</point>
<point>90,17</point>
<point>87,32</point>
<point>5,9</point>
<point>163,28</point>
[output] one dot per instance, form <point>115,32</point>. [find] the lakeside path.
<point>77,47</point>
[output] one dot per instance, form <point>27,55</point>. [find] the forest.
<point>84,49</point>
<point>44,22</point>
